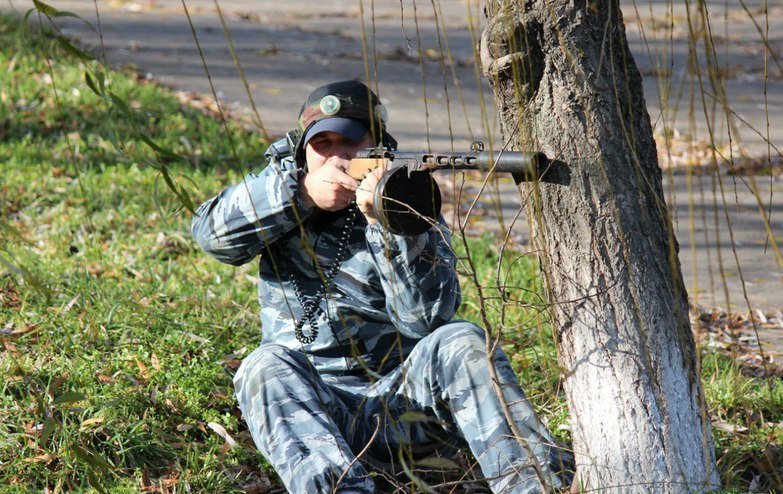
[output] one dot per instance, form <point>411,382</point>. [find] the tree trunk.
<point>565,83</point>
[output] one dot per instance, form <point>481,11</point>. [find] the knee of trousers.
<point>456,338</point>
<point>266,368</point>
<point>459,347</point>
<point>451,350</point>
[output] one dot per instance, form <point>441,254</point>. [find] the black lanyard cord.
<point>311,307</point>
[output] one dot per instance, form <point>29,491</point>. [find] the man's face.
<point>331,147</point>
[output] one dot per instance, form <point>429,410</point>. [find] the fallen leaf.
<point>727,427</point>
<point>69,305</point>
<point>105,379</point>
<point>9,297</point>
<point>55,385</point>
<point>96,270</point>
<point>87,423</point>
<point>143,370</point>
<point>221,431</point>
<point>232,363</point>
<point>146,485</point>
<point>11,348</point>
<point>45,457</point>
<point>194,337</point>
<point>432,54</point>
<point>25,329</point>
<point>759,316</point>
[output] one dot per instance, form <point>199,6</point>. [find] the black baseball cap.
<point>349,108</point>
<point>347,127</point>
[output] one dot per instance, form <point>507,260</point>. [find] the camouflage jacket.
<point>389,292</point>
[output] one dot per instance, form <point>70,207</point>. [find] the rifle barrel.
<point>516,162</point>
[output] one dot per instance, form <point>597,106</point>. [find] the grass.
<point>120,337</point>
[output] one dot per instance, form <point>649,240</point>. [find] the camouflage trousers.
<point>311,427</point>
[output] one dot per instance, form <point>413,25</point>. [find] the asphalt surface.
<point>286,49</point>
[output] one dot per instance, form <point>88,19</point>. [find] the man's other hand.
<point>365,195</point>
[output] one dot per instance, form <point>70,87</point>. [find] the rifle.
<point>407,200</point>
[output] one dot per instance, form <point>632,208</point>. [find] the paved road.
<point>288,48</point>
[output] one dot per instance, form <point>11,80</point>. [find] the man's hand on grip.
<point>329,187</point>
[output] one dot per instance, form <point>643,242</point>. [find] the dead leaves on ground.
<point>680,152</point>
<point>742,336</point>
<point>9,297</point>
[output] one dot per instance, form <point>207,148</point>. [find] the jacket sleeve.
<point>237,224</point>
<point>419,278</point>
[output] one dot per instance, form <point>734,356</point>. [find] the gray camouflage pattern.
<point>386,355</point>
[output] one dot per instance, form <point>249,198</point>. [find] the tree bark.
<point>565,83</point>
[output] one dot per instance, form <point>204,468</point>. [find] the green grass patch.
<point>120,337</point>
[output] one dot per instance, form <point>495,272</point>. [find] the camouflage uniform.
<point>387,367</point>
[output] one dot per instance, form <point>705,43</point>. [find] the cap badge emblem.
<point>329,105</point>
